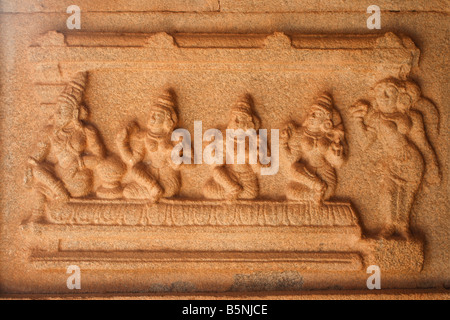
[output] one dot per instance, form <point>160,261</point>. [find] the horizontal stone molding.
<point>222,6</point>
<point>201,213</point>
<point>263,261</point>
<point>57,56</point>
<point>267,6</point>
<point>55,6</point>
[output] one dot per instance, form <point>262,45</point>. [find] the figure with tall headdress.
<point>235,180</point>
<point>64,163</point>
<point>147,153</point>
<point>394,124</point>
<point>313,151</point>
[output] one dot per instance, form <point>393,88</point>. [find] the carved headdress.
<point>333,126</point>
<point>324,103</point>
<point>72,95</point>
<point>166,103</point>
<point>410,97</point>
<point>245,105</point>
<point>73,92</point>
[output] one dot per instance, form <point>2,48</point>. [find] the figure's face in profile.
<point>159,122</point>
<point>316,119</point>
<point>241,120</point>
<point>64,114</point>
<point>386,97</point>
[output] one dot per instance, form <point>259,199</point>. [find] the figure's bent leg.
<point>388,206</point>
<point>134,190</point>
<point>51,183</point>
<point>328,175</point>
<point>110,172</point>
<point>298,192</point>
<point>406,195</point>
<point>212,190</point>
<point>225,179</point>
<point>300,174</point>
<point>141,176</point>
<point>250,185</point>
<point>170,180</point>
<point>78,182</point>
<point>309,187</point>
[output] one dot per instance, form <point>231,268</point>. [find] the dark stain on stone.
<point>272,281</point>
<point>179,286</point>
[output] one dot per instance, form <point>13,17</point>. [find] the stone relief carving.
<point>394,123</point>
<point>64,162</point>
<point>182,212</point>
<point>140,187</point>
<point>147,153</point>
<point>236,181</point>
<point>314,149</point>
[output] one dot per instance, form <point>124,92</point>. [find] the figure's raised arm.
<point>95,144</point>
<point>41,152</point>
<point>360,112</point>
<point>335,154</point>
<point>418,136</point>
<point>130,155</point>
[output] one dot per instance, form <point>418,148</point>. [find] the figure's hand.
<point>28,176</point>
<point>286,133</point>
<point>130,129</point>
<point>337,149</point>
<point>359,109</point>
<point>32,161</point>
<point>122,135</point>
<point>320,186</point>
<point>91,161</point>
<point>62,196</point>
<point>433,176</point>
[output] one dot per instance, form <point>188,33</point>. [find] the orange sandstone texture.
<point>88,177</point>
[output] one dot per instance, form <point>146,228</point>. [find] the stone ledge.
<point>189,212</point>
<point>222,6</point>
<point>384,294</point>
<point>270,6</point>
<point>200,261</point>
<point>54,6</point>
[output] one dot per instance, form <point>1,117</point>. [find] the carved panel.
<point>106,192</point>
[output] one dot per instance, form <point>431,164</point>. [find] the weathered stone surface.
<point>323,5</point>
<point>48,6</point>
<point>368,187</point>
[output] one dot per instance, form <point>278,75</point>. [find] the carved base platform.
<point>201,213</point>
<point>179,239</point>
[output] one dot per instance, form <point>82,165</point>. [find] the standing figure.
<point>147,153</point>
<point>314,150</point>
<point>63,165</point>
<point>232,181</point>
<point>393,121</point>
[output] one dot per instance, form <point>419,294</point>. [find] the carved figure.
<point>394,121</point>
<point>62,167</point>
<point>147,153</point>
<point>314,150</point>
<point>236,181</point>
